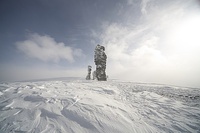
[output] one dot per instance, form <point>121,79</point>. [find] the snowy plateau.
<point>88,106</point>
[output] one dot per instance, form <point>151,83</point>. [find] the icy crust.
<point>91,107</point>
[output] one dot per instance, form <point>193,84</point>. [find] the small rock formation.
<point>88,77</point>
<point>100,62</point>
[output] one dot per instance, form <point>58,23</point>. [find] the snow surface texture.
<point>80,106</point>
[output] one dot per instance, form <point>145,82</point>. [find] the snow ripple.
<point>89,106</point>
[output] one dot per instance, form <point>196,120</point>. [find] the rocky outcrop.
<point>100,62</point>
<point>88,77</point>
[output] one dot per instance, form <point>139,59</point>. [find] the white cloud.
<point>45,48</point>
<point>147,53</point>
<point>125,53</point>
<point>144,6</point>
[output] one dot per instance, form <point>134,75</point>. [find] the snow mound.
<point>75,106</point>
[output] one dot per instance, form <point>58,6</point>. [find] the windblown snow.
<point>80,106</point>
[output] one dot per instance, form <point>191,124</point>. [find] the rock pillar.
<point>88,77</point>
<point>100,62</point>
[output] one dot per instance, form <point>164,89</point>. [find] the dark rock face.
<point>88,77</point>
<point>100,62</point>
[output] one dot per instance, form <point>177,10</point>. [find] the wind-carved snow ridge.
<point>75,106</point>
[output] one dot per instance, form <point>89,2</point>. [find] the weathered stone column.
<point>100,62</point>
<point>88,77</point>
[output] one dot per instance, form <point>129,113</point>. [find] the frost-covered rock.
<point>100,62</point>
<point>88,77</point>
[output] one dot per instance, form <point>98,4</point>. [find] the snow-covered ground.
<point>80,106</point>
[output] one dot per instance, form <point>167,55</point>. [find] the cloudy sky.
<point>154,41</point>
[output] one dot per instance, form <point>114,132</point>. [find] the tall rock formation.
<point>100,62</point>
<point>88,77</point>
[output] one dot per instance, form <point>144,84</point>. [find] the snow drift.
<point>79,106</point>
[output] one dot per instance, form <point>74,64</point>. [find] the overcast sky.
<point>154,41</point>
